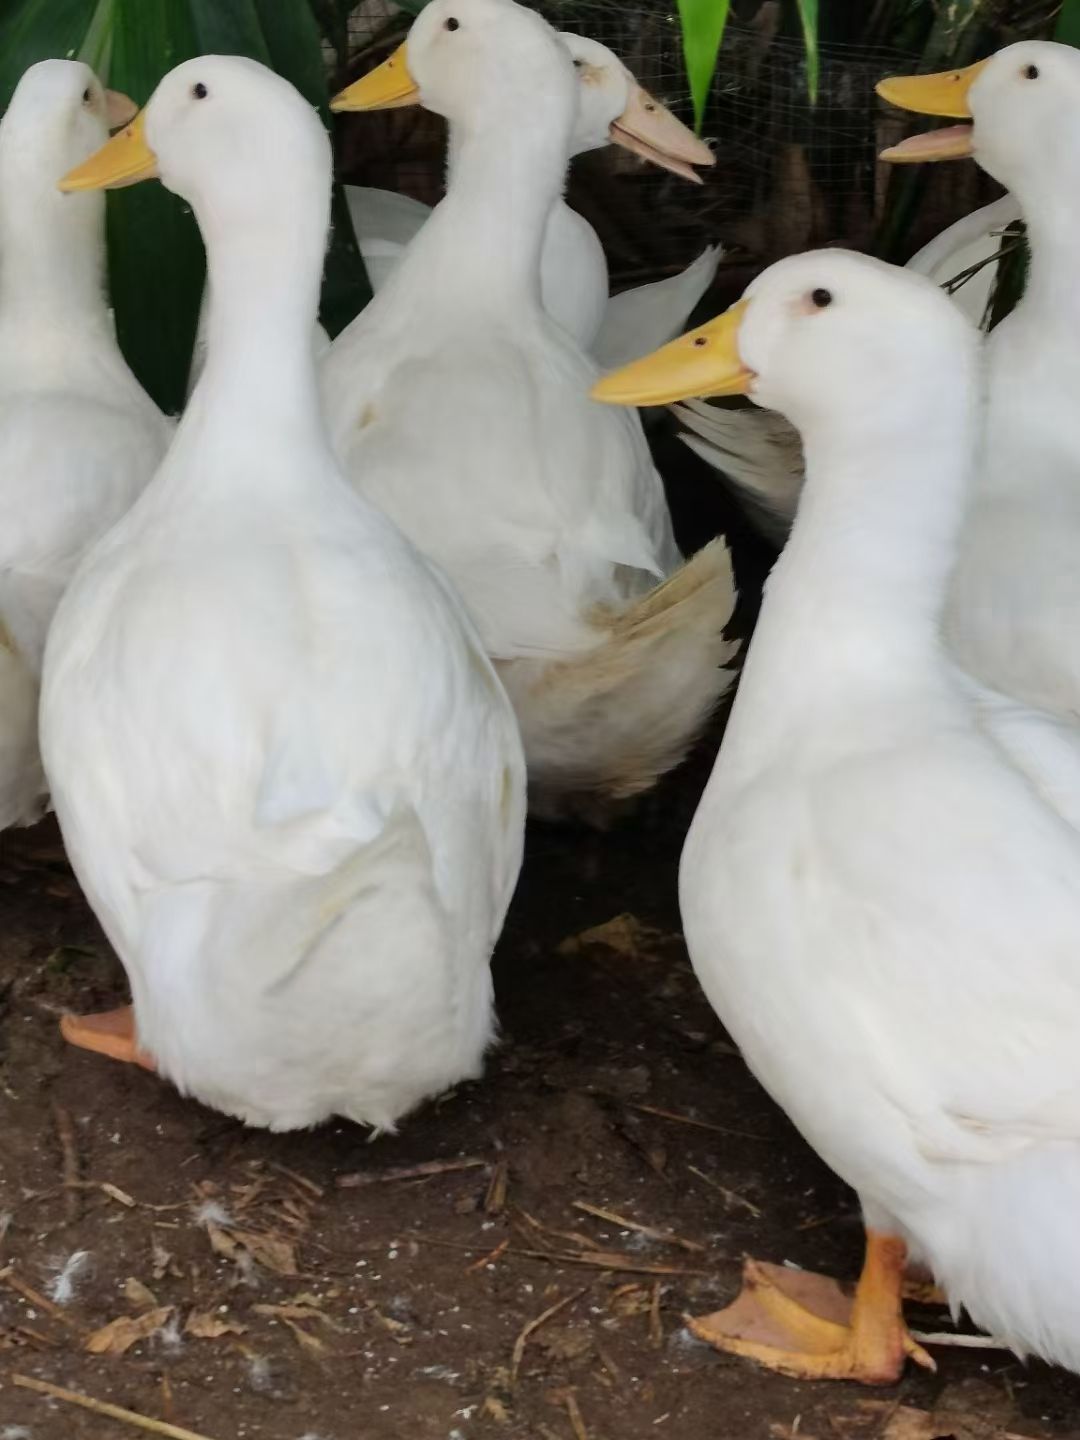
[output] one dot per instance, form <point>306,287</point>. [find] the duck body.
<point>460,408</point>
<point>305,823</point>
<point>880,890</point>
<point>79,438</point>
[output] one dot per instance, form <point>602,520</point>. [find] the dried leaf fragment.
<point>119,1336</point>
<point>139,1295</point>
<point>206,1325</point>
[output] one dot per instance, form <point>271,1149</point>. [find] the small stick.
<point>36,1298</point>
<point>101,1407</point>
<point>609,1260</point>
<point>489,1259</point>
<point>297,1179</point>
<point>408,1172</point>
<point>534,1325</point>
<point>962,1342</point>
<point>65,1133</point>
<point>577,1422</point>
<point>699,1124</point>
<point>648,1230</point>
<point>656,1328</point>
<point>495,1199</point>
<point>731,1197</point>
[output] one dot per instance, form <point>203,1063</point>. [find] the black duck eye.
<point>199,90</point>
<point>578,64</point>
<point>1031,72</point>
<point>87,95</point>
<point>820,298</point>
<point>453,24</point>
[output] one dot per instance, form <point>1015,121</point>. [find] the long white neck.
<point>263,289</point>
<point>52,253</point>
<point>850,627</point>
<point>504,175</point>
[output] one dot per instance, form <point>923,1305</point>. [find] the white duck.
<point>462,409</point>
<point>760,453</point>
<point>78,436</point>
<point>303,823</point>
<point>880,893</point>
<point>1014,613</point>
<point>612,109</point>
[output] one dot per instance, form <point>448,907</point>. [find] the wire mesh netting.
<point>790,174</point>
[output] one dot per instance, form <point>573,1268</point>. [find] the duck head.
<point>818,337</point>
<point>474,61</point>
<point>59,114</point>
<point>1019,112</point>
<point>229,135</point>
<point>614,109</point>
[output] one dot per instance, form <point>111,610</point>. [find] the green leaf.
<point>808,19</point>
<point>156,263</point>
<point>703,23</point>
<point>1067,29</point>
<point>41,30</point>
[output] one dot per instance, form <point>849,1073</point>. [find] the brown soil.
<point>406,1317</point>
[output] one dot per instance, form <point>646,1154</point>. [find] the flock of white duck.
<point>304,647</point>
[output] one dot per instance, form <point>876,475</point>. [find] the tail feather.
<point>757,450</point>
<point>605,725</point>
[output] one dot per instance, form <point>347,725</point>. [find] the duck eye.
<point>820,298</point>
<point>1031,71</point>
<point>86,95</point>
<point>453,24</point>
<point>578,64</point>
<point>700,342</point>
<point>199,90</point>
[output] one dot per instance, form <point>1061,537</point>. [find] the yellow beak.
<point>944,94</point>
<point>124,160</point>
<point>703,362</point>
<point>387,87</point>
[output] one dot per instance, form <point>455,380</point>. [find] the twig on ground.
<point>960,1342</point>
<point>490,1258</point>
<point>698,1124</point>
<point>531,1328</point>
<point>656,1327</point>
<point>732,1197</point>
<point>101,1407</point>
<point>608,1260</point>
<point>495,1199</point>
<point>69,1160</point>
<point>651,1231</point>
<point>424,1170</point>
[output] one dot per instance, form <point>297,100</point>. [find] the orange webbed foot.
<point>803,1325</point>
<point>112,1033</point>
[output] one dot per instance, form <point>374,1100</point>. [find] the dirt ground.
<point>517,1262</point>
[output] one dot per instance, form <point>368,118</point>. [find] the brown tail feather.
<point>607,724</point>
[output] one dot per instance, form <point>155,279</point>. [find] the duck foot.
<point>112,1033</point>
<point>803,1325</point>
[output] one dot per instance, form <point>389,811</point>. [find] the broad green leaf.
<point>156,263</point>
<point>808,19</point>
<point>1067,29</point>
<point>36,30</point>
<point>703,23</point>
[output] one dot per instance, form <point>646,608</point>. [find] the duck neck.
<point>1052,293</point>
<point>851,621</point>
<point>52,256</point>
<point>503,178</point>
<point>263,280</point>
